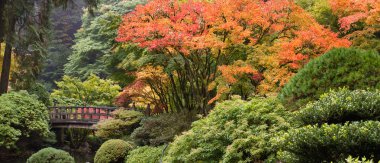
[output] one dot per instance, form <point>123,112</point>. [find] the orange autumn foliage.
<point>281,36</point>
<point>141,91</point>
<point>231,74</point>
<point>353,11</point>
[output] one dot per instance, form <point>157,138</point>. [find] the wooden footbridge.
<point>87,116</point>
<point>63,118</point>
<point>78,116</point>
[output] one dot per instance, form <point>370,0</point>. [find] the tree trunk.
<point>2,25</point>
<point>6,68</point>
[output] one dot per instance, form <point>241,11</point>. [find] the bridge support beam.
<point>61,136</point>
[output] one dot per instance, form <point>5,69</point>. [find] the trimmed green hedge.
<point>51,155</point>
<point>145,154</point>
<point>333,142</point>
<point>114,150</point>
<point>234,131</point>
<point>351,68</point>
<point>342,106</point>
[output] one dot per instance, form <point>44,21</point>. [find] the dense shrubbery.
<point>22,116</point>
<point>234,131</point>
<point>145,154</point>
<point>339,124</point>
<point>124,122</point>
<point>351,68</point>
<point>113,151</point>
<point>161,129</point>
<point>94,142</point>
<point>333,142</point>
<point>40,91</point>
<point>342,106</point>
<point>51,155</point>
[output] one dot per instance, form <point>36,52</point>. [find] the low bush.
<point>145,154</point>
<point>331,143</point>
<point>351,68</point>
<point>113,151</point>
<point>160,129</point>
<point>342,106</point>
<point>22,117</point>
<point>50,155</point>
<point>123,123</point>
<point>234,131</point>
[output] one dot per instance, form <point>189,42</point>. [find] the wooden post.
<point>61,136</point>
<point>82,113</point>
<point>76,113</point>
<point>88,109</point>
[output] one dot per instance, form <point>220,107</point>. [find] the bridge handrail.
<point>105,107</point>
<point>61,114</point>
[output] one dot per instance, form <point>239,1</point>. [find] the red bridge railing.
<point>79,114</point>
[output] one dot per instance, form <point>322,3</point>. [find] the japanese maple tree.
<point>274,38</point>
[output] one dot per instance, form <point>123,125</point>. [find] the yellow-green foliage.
<point>235,131</point>
<point>50,155</point>
<point>13,64</point>
<point>21,116</point>
<point>145,154</point>
<point>321,11</point>
<point>350,159</point>
<point>93,91</point>
<point>123,123</point>
<point>113,151</point>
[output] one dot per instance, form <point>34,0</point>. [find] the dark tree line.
<point>24,29</point>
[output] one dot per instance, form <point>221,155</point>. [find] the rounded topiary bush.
<point>50,155</point>
<point>145,154</point>
<point>342,106</point>
<point>234,131</point>
<point>113,151</point>
<point>350,68</point>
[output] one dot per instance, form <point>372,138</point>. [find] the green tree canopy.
<point>93,91</point>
